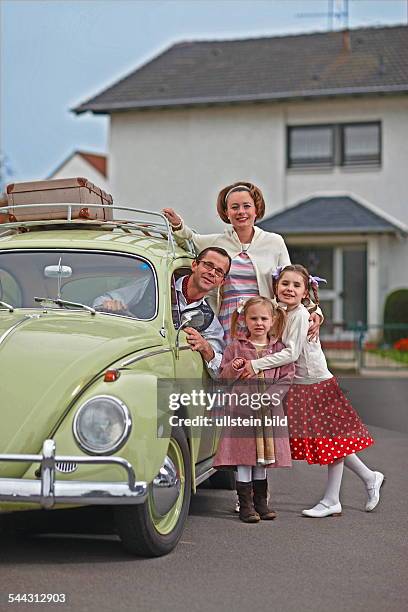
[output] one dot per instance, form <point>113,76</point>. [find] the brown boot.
<point>247,512</point>
<point>260,488</point>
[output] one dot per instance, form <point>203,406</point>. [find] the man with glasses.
<point>209,270</point>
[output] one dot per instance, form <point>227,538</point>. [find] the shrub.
<point>401,345</point>
<point>396,314</point>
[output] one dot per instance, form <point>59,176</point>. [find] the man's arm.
<point>119,299</point>
<point>210,344</point>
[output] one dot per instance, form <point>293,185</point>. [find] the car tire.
<point>223,479</point>
<point>142,532</point>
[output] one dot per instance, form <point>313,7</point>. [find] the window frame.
<point>359,162</point>
<point>310,162</point>
<point>134,256</point>
<point>338,153</point>
<point>175,306</point>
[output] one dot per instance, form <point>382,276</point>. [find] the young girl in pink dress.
<point>252,449</point>
<point>324,428</point>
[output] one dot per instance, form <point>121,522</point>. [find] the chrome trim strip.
<point>152,354</point>
<point>47,492</point>
<point>17,324</point>
<point>144,356</point>
<point>204,476</point>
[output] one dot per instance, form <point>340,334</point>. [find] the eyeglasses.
<point>211,268</point>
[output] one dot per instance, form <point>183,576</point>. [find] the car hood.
<point>46,360</point>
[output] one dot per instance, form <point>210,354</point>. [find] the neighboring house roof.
<point>330,215</point>
<point>99,162</point>
<point>261,69</point>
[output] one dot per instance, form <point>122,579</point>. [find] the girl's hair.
<point>254,192</point>
<point>309,286</point>
<point>278,316</point>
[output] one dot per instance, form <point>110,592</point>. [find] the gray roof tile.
<point>282,67</point>
<point>328,215</point>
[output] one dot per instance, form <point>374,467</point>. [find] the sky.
<point>57,53</point>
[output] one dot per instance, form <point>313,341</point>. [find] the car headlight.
<point>102,424</point>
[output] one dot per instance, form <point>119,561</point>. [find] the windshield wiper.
<point>62,303</point>
<point>7,306</point>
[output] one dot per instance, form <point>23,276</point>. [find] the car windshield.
<point>109,282</point>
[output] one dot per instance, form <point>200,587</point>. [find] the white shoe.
<point>374,492</point>
<point>237,506</point>
<point>321,510</point>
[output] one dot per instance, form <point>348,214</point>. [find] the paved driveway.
<point>353,563</point>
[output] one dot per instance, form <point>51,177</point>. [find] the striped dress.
<point>240,285</point>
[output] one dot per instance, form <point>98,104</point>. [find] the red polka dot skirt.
<point>323,425</point>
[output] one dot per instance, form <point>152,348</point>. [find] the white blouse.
<point>311,365</point>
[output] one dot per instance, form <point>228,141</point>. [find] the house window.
<point>310,145</point>
<point>344,144</point>
<point>361,144</point>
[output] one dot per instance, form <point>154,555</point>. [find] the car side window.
<point>175,308</point>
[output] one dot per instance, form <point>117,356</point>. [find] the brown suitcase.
<point>76,190</point>
<point>3,202</point>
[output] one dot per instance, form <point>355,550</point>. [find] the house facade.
<point>310,116</point>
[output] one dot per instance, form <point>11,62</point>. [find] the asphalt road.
<point>356,562</point>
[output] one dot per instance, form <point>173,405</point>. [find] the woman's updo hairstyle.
<point>254,192</point>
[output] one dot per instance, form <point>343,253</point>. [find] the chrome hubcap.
<point>166,488</point>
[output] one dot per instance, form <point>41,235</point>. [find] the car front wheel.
<point>153,529</point>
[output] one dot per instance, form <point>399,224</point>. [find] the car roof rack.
<point>158,226</point>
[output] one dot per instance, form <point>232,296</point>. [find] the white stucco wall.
<point>393,266</point>
<point>385,187</point>
<point>78,166</point>
<point>183,158</point>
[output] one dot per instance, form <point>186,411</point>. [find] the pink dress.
<point>249,445</point>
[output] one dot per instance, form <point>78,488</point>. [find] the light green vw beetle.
<point>78,387</point>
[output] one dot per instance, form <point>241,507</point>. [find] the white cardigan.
<point>266,251</point>
<point>311,366</point>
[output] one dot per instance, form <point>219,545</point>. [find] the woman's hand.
<point>238,363</point>
<point>173,218</point>
<point>315,322</point>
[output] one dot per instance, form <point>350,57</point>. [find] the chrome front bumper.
<point>47,491</point>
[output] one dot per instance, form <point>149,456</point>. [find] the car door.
<point>191,373</point>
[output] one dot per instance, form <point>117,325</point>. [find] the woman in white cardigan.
<point>255,254</point>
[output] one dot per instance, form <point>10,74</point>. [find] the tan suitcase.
<point>76,190</point>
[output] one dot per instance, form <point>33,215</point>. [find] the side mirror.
<point>191,318</point>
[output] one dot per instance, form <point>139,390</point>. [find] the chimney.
<point>346,41</point>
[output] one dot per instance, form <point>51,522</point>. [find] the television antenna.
<point>337,13</point>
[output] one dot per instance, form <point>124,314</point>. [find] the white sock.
<point>355,464</point>
<point>334,476</point>
<point>244,473</point>
<point>258,473</point>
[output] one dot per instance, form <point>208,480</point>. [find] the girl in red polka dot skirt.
<point>324,428</point>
